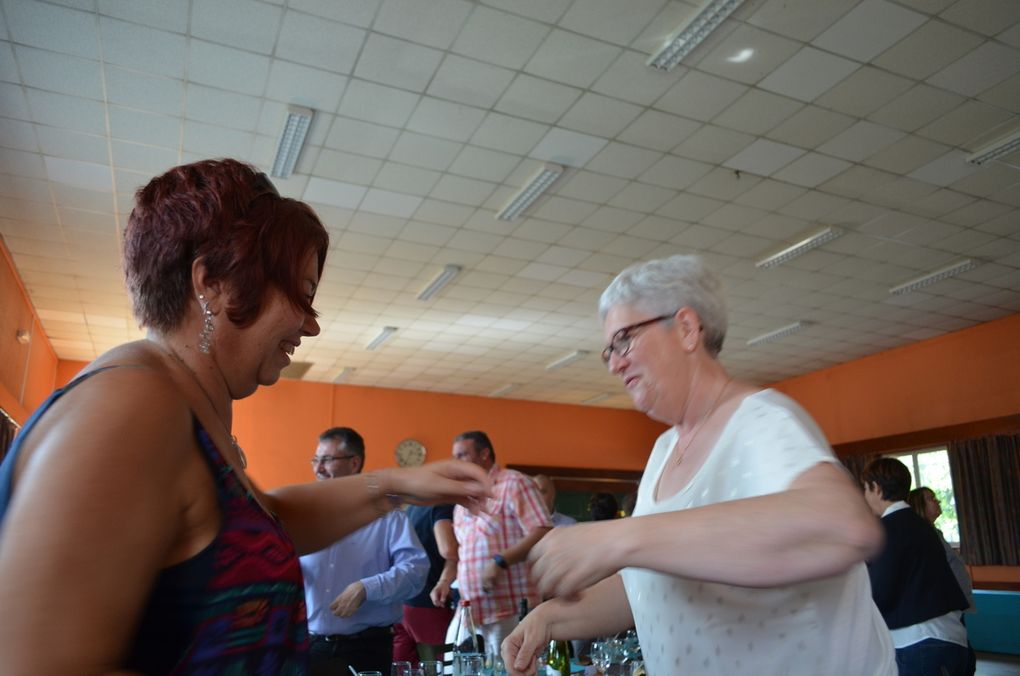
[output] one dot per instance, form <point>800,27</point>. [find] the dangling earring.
<point>205,335</point>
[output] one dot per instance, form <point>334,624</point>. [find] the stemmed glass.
<point>400,669</point>
<point>605,653</point>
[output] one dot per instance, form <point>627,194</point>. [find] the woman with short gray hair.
<point>745,553</point>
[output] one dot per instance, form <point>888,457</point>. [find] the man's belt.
<point>371,632</point>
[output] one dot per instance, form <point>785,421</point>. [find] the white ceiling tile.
<point>982,68</point>
<point>907,154</point>
<point>689,207</point>
<point>425,151</point>
<point>927,50</point>
<point>443,213</point>
<point>600,115</point>
<point>864,92</point>
<point>8,67</point>
<point>390,203</point>
<point>630,79</point>
<point>434,24</point>
<point>228,68</point>
<point>808,74</point>
<point>377,103</point>
<point>770,194</point>
<point>142,158</point>
<point>488,165</point>
<point>589,186</point>
<point>227,109</point>
<point>500,38</point>
<point>571,59</point>
<point>346,167</point>
<point>355,12</point>
<point>334,193</point>
<point>20,135</point>
<point>757,111</point>
<point>916,108</point>
<point>462,190</point>
<point>748,54</point>
<point>510,134</point>
<point>58,110</point>
<point>567,147</point>
<point>625,161</point>
<point>799,19</point>
<point>537,99</point>
<point>609,20</point>
<point>362,138</point>
<point>675,172</point>
<point>591,239</point>
<point>453,121</point>
<point>811,170</point>
<point>60,73</point>
<point>810,127</point>
<point>142,48</point>
<point>860,141</point>
<point>208,140</point>
<point>87,175</point>
<point>983,16</point>
<point>700,96</point>
<point>468,81</point>
<point>397,63</point>
<point>171,16</point>
<point>50,27</point>
<point>869,29</point>
<point>713,144</point>
<point>639,197</point>
<point>654,129</point>
<point>216,21</point>
<point>764,157</point>
<point>147,92</point>
<point>291,83</point>
<point>404,179</point>
<point>562,210</point>
<point>319,42</point>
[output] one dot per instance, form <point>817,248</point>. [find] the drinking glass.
<point>369,673</point>
<point>400,668</point>
<point>605,653</point>
<point>494,664</point>
<point>415,672</point>
<point>471,664</point>
<point>431,667</point>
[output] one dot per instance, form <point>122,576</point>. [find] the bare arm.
<point>446,543</point>
<point>819,527</point>
<point>520,549</point>
<point>320,513</point>
<point>601,610</point>
<point>100,506</point>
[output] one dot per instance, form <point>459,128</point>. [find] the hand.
<point>440,594</point>
<point>446,481</point>
<point>525,643</point>
<point>349,601</point>
<point>490,576</point>
<point>562,563</point>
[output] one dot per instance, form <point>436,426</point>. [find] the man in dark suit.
<point>911,582</point>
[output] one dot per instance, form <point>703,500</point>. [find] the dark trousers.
<point>368,650</point>
<point>932,657</point>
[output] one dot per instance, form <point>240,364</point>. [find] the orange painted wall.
<point>42,361</point>
<point>961,377</point>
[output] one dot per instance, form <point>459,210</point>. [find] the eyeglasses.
<point>622,339</point>
<point>326,459</point>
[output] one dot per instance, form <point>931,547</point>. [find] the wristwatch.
<point>500,561</point>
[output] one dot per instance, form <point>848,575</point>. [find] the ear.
<point>690,328</point>
<point>359,464</point>
<point>210,289</point>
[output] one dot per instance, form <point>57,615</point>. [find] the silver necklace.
<point>697,427</point>
<point>233,440</point>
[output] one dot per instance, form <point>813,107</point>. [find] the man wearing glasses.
<point>356,587</point>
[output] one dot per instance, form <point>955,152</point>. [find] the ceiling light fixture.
<point>597,398</point>
<point>781,332</point>
<point>346,373</point>
<point>937,276</point>
<point>23,336</point>
<point>1009,143</point>
<point>383,336</point>
<point>693,33</point>
<point>810,242</point>
<point>442,279</point>
<point>506,389</point>
<point>566,360</point>
<point>294,131</point>
<point>531,192</point>
<point>743,56</point>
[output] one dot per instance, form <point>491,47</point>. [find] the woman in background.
<point>924,501</point>
<point>132,539</point>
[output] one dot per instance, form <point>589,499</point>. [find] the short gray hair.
<point>665,285</point>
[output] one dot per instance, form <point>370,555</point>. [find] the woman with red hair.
<point>132,539</point>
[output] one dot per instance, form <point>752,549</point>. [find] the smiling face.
<point>269,342</point>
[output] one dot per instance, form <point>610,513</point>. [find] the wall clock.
<point>410,453</point>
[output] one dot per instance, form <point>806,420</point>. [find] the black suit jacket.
<point>911,581</point>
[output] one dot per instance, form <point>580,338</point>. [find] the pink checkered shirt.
<point>515,511</point>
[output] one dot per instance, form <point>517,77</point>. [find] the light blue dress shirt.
<point>388,559</point>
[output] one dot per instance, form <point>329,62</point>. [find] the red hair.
<point>228,214</point>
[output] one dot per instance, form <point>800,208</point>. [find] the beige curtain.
<point>986,481</point>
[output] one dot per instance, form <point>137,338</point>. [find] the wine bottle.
<point>559,659</point>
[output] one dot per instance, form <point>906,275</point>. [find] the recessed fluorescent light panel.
<point>531,192</point>
<point>441,280</point>
<point>799,248</point>
<point>778,334</point>
<point>937,276</point>
<point>383,336</point>
<point>693,33</point>
<point>299,119</point>
<point>576,355</point>
<point>506,389</point>
<point>996,149</point>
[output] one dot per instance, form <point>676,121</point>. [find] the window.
<point>930,467</point>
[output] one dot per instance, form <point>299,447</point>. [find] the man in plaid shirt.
<point>494,544</point>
